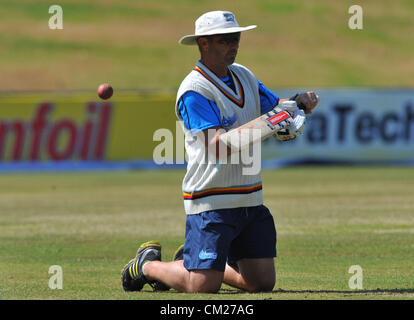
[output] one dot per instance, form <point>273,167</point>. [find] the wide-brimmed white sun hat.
<point>214,22</point>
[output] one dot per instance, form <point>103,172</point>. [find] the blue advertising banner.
<point>352,125</point>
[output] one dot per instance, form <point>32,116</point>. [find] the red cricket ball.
<point>105,91</point>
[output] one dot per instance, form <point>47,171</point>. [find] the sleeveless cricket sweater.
<point>211,185</point>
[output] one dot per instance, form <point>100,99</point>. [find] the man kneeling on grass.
<point>230,235</point>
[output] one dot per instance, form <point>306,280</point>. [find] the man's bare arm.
<point>221,143</point>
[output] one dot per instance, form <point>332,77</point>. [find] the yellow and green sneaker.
<point>133,278</point>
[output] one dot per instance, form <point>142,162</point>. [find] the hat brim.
<point>191,39</point>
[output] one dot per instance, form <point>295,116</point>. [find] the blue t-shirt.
<point>200,113</point>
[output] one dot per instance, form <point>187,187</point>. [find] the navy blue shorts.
<point>214,237</point>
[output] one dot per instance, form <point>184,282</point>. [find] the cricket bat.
<point>260,128</point>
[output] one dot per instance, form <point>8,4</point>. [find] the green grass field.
<point>133,44</point>
<point>90,224</point>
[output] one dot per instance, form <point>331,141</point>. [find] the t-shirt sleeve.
<point>198,112</point>
<point>268,100</point>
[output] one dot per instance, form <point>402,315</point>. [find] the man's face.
<point>223,47</point>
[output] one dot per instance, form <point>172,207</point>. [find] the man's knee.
<point>205,281</point>
<point>203,287</point>
<point>259,274</point>
<point>262,285</point>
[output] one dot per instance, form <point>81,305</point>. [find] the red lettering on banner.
<point>18,130</point>
<point>18,127</point>
<point>68,126</point>
<point>103,128</point>
<point>3,130</point>
<point>87,131</point>
<point>85,141</point>
<point>39,124</point>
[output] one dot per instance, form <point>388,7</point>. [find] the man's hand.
<point>296,128</point>
<point>306,101</point>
